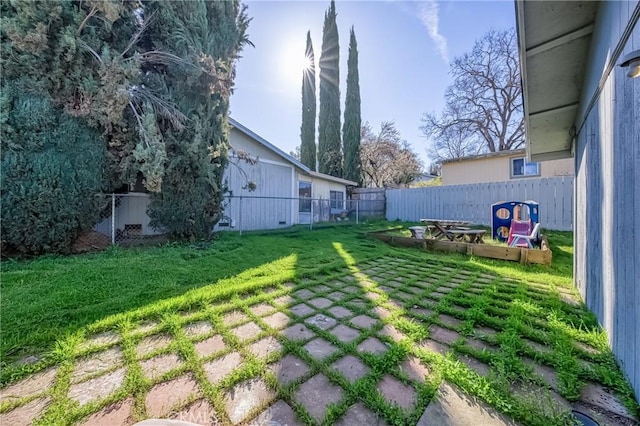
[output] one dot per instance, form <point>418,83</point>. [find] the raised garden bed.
<point>542,255</point>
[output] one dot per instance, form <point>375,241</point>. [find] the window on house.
<point>337,199</point>
<point>520,167</point>
<point>304,191</point>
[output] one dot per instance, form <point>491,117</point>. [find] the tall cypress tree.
<point>352,118</point>
<point>329,145</point>
<point>308,128</point>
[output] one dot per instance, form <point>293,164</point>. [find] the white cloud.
<point>428,14</point>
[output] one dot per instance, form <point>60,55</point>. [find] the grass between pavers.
<point>511,300</point>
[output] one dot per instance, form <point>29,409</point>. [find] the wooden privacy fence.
<point>473,202</point>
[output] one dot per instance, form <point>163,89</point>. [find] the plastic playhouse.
<point>515,222</point>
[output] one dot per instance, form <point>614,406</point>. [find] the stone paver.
<point>283,300</point>
<point>422,311</point>
<point>198,329</point>
<point>261,309</point>
<point>119,413</point>
<point>152,343</point>
<point>473,364</point>
<point>234,317</point>
<point>145,327</point>
<point>372,346</point>
<point>277,320</point>
<point>265,347</point>
<point>97,363</point>
<point>219,368</point>
<point>321,321</point>
<point>358,303</point>
<point>482,331</point>
<point>351,367</point>
<point>336,295</point>
<point>25,414</point>
<point>548,374</point>
<point>321,289</point>
<point>586,348</point>
<point>538,346</point>
<point>443,335</point>
<point>358,414</point>
<point>304,294</point>
<point>102,339</point>
<point>543,399</point>
<point>599,396</point>
<point>381,312</point>
<point>32,385</point>
<point>97,388</point>
<point>164,397</point>
<point>449,320</point>
<point>345,334</point>
<point>404,296</point>
<point>413,368</point>
<point>479,345</point>
<point>301,310</point>
<point>392,333</point>
<point>320,302</point>
<point>158,366</point>
<point>363,321</point>
<point>199,412</point>
<point>340,312</point>
<point>452,407</point>
<point>245,397</point>
<point>436,295</point>
<point>298,332</point>
<point>433,346</point>
<point>396,392</point>
<point>320,348</point>
<point>316,394</point>
<point>279,413</point>
<point>247,331</point>
<point>289,369</point>
<point>210,346</point>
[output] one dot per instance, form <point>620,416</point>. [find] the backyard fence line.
<point>125,221</point>
<point>473,202</point>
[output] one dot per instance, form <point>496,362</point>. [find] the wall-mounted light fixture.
<point>632,61</point>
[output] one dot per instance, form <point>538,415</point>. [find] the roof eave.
<point>553,47</point>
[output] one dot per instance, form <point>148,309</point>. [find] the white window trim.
<point>511,159</point>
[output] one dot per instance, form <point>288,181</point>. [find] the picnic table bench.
<point>473,236</point>
<point>453,230</point>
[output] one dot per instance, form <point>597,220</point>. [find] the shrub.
<point>53,174</point>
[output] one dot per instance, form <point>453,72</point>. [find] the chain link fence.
<point>125,221</point>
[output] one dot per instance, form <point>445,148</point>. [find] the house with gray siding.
<point>282,186</point>
<point>273,190</point>
<point>581,101</point>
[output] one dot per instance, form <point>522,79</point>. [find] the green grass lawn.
<point>51,305</point>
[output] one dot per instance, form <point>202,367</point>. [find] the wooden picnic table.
<point>454,230</point>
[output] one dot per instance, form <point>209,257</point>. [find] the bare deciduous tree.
<point>386,159</point>
<point>483,111</point>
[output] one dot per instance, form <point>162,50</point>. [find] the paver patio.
<point>395,348</point>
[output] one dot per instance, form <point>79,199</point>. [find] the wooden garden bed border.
<point>514,254</point>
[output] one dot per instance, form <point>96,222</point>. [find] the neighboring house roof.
<point>510,153</point>
<point>262,141</point>
<point>553,43</point>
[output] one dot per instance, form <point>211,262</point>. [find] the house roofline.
<point>306,170</point>
<point>268,145</point>
<point>507,153</point>
<point>333,178</point>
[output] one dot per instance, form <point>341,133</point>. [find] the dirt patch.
<point>90,241</point>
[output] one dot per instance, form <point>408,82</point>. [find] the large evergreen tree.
<point>329,145</point>
<point>308,128</point>
<point>352,118</point>
<point>207,37</point>
<point>136,87</point>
